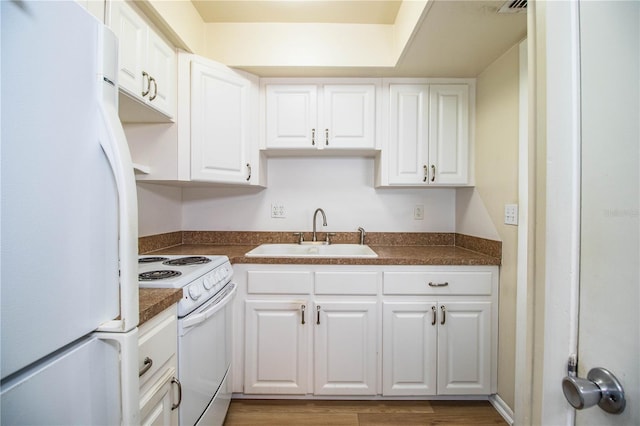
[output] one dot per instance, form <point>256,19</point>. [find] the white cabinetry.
<point>147,67</point>
<point>306,332</point>
<point>321,116</point>
<point>325,330</point>
<point>276,343</point>
<point>159,387</point>
<point>222,123</point>
<point>345,356</point>
<point>428,135</point>
<point>441,339</point>
<point>216,141</point>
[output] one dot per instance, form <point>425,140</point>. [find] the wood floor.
<point>360,413</point>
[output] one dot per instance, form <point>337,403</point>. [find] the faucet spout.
<point>324,223</point>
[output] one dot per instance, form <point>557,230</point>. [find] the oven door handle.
<point>195,319</point>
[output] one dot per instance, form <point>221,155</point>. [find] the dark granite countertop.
<point>152,301</point>
<point>387,255</point>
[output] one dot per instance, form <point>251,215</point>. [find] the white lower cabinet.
<point>159,387</point>
<point>437,348</point>
<point>345,356</point>
<point>331,330</point>
<point>276,344</point>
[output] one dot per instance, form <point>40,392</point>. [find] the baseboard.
<point>502,408</point>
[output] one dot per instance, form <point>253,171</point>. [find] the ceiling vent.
<point>514,6</point>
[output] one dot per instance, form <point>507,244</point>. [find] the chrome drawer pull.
<point>177,382</point>
<point>148,363</point>
<point>444,315</point>
<point>303,307</point>
<point>318,311</point>
<point>432,284</point>
<point>435,315</point>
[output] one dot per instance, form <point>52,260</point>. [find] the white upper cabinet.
<point>428,135</point>
<point>215,140</point>
<point>222,129</point>
<point>321,116</point>
<point>147,67</point>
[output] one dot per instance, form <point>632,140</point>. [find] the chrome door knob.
<point>600,387</point>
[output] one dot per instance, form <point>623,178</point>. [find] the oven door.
<point>204,355</point>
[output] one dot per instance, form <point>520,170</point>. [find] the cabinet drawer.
<point>279,282</point>
<point>347,283</point>
<point>158,341</point>
<point>440,283</point>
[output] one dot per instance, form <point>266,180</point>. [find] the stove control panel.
<point>203,288</point>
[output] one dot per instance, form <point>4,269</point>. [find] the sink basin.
<point>297,250</point>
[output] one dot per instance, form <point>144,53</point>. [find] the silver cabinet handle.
<point>303,307</point>
<point>249,169</point>
<point>426,173</point>
<point>444,284</point>
<point>434,314</point>
<point>318,311</point>
<point>600,387</point>
<point>145,76</point>
<point>177,382</point>
<point>444,314</point>
<point>148,363</point>
<point>326,136</point>
<point>313,136</point>
<point>155,88</point>
<point>433,173</point>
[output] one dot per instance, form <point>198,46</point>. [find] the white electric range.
<point>204,330</point>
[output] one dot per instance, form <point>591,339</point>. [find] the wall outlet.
<point>418,212</point>
<point>278,211</point>
<point>511,214</point>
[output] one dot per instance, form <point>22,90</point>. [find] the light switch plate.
<point>511,214</point>
<point>418,212</point>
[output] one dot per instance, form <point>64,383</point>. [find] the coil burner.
<point>158,275</point>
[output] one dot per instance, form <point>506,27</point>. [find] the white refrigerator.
<point>69,295</point>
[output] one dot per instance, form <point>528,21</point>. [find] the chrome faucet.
<point>324,223</point>
<point>362,234</point>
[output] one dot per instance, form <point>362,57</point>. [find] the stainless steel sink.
<point>298,250</point>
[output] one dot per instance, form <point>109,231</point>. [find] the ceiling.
<point>455,38</point>
<point>307,11</point>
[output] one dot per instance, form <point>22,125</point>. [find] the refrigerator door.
<point>56,391</point>
<point>59,218</point>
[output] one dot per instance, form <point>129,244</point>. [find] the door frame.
<point>548,277</point>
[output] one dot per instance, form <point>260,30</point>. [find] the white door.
<point>292,116</point>
<point>161,66</point>
<point>220,124</point>
<point>448,133</point>
<point>609,324</point>
<point>409,348</point>
<point>464,348</point>
<point>131,30</point>
<point>276,346</point>
<point>345,348</point>
<point>349,116</point>
<point>408,134</point>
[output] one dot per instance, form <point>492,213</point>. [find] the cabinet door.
<point>219,124</point>
<point>409,348</point>
<point>464,348</point>
<point>408,134</point>
<point>449,134</point>
<point>157,409</point>
<point>276,343</point>
<point>345,348</point>
<point>161,66</point>
<point>349,116</point>
<point>131,31</point>
<point>291,116</point>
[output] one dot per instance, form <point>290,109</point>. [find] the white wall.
<point>159,209</point>
<point>343,187</point>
